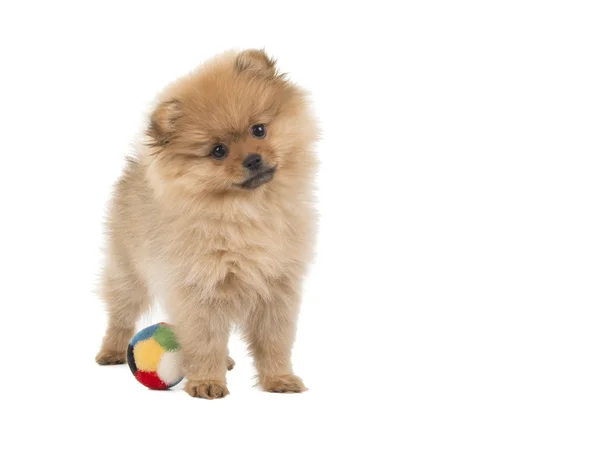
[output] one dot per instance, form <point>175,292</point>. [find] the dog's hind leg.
<point>126,298</point>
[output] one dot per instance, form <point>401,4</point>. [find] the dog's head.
<point>233,126</point>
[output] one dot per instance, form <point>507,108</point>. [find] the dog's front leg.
<point>203,333</point>
<point>270,331</point>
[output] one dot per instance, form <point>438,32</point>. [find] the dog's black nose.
<point>253,161</point>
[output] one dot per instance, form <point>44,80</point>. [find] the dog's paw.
<point>111,357</point>
<point>207,389</point>
<point>230,363</point>
<point>283,384</point>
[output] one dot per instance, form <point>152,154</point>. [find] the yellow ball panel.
<point>147,355</point>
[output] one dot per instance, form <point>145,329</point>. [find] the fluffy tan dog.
<point>215,216</point>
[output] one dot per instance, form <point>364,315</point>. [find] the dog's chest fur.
<point>241,256</point>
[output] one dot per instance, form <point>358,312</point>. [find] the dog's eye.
<point>219,151</point>
<point>259,131</point>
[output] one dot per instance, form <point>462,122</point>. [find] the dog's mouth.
<point>258,179</point>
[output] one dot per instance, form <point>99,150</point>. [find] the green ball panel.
<point>166,338</point>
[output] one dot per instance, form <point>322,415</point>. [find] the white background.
<point>454,301</point>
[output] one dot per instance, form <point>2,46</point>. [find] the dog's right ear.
<point>163,123</point>
<point>255,61</point>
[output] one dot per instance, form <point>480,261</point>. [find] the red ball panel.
<point>151,380</point>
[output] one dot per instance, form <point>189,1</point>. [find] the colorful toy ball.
<point>154,357</point>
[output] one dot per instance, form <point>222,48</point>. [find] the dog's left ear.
<point>256,61</point>
<point>163,122</point>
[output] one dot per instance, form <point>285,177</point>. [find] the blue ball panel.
<point>144,334</point>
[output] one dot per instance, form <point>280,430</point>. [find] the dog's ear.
<point>163,122</point>
<point>255,61</point>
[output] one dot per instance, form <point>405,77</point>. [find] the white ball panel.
<point>170,367</point>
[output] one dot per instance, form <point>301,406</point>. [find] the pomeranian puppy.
<point>215,216</point>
